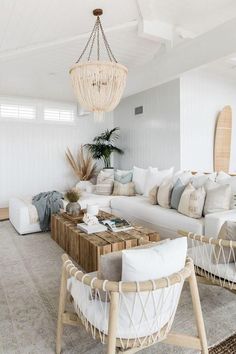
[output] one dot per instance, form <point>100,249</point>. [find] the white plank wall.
<point>32,155</point>
<point>153,138</point>
<point>203,95</point>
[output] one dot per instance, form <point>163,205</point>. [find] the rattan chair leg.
<point>112,326</point>
<point>61,309</point>
<point>198,312</point>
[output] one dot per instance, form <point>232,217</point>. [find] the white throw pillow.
<point>218,199</point>
<point>139,178</point>
<point>155,178</point>
<point>154,263</point>
<point>221,176</point>
<point>164,193</point>
<point>210,185</point>
<point>192,201</point>
<point>184,176</point>
<point>200,179</point>
<point>232,182</point>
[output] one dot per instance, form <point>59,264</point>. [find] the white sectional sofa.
<point>136,209</point>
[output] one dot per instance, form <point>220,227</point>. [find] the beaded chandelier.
<point>98,84</point>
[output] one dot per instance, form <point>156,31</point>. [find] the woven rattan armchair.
<point>214,260</point>
<point>128,316</point>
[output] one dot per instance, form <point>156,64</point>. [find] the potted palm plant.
<point>104,145</point>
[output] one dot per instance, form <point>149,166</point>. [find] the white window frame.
<point>59,110</point>
<point>20,106</point>
<point>40,105</point>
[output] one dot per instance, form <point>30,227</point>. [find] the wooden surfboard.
<point>222,143</point>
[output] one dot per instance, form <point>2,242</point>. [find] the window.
<point>17,111</point>
<point>62,115</point>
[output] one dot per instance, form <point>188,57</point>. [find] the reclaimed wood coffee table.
<point>86,249</point>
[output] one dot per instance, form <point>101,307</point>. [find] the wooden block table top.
<point>86,249</point>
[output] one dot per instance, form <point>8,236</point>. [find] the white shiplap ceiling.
<point>40,40</point>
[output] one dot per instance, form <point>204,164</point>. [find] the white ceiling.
<point>40,40</point>
<point>224,67</point>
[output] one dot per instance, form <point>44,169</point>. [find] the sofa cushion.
<point>103,201</point>
<point>139,208</point>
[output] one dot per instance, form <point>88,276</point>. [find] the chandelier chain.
<point>87,44</point>
<point>98,43</point>
<point>108,48</point>
<point>90,43</point>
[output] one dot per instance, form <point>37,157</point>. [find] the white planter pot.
<point>84,186</point>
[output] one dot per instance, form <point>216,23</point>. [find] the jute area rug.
<point>228,346</point>
<point>30,269</point>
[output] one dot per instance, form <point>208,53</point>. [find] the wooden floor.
<point>4,214</point>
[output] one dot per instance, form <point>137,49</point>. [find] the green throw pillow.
<point>124,178</point>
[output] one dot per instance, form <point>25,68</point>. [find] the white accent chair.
<point>134,316</point>
<point>214,260</point>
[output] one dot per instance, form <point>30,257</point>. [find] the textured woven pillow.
<point>153,195</point>
<point>176,194</point>
<point>164,193</point>
<point>192,201</point>
<point>124,177</point>
<point>218,199</point>
<point>225,254</point>
<point>127,189</point>
<point>105,181</point>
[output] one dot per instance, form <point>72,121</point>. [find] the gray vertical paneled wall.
<point>151,138</point>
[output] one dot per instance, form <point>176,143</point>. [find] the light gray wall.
<point>153,138</point>
<point>203,96</point>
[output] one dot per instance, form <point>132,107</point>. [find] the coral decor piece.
<point>89,219</point>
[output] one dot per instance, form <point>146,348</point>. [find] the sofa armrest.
<point>213,222</point>
<point>18,213</point>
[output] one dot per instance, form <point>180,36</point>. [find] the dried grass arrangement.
<point>83,166</point>
<point>72,195</point>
